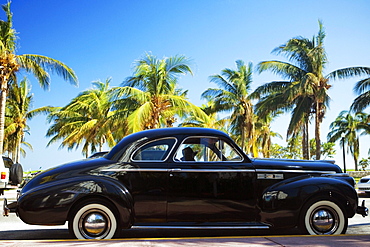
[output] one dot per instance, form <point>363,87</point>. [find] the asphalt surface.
<point>14,232</point>
<point>254,241</point>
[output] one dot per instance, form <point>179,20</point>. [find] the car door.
<point>146,177</point>
<point>210,182</point>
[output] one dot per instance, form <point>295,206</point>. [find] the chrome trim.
<point>270,176</point>
<point>202,227</point>
<point>339,175</point>
<point>208,161</point>
<point>297,160</point>
<point>295,171</point>
<point>213,170</point>
<point>136,170</point>
<point>176,170</point>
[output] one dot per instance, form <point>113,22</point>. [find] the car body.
<point>364,184</point>
<point>188,178</point>
<point>10,174</point>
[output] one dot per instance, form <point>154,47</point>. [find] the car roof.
<point>165,132</point>
<point>178,130</point>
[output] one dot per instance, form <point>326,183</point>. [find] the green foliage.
<point>233,96</point>
<point>11,64</point>
<point>305,91</point>
<point>364,163</point>
<point>88,120</point>
<point>18,112</point>
<point>362,88</point>
<point>327,149</point>
<point>150,98</point>
<point>347,128</point>
<point>151,95</point>
<point>293,150</point>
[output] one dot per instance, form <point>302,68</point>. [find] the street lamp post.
<point>344,153</point>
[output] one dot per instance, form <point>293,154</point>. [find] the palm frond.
<point>346,73</point>
<point>41,65</point>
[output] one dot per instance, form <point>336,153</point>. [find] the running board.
<point>200,227</point>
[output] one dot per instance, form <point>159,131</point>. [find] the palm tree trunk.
<point>243,140</point>
<point>356,163</point>
<point>305,141</point>
<point>317,131</point>
<point>18,150</point>
<point>356,152</point>
<point>2,115</point>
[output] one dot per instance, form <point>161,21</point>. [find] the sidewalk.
<point>288,241</point>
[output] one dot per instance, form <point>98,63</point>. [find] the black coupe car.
<point>188,178</point>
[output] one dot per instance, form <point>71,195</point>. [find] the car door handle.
<point>175,170</point>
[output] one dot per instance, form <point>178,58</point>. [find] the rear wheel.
<point>323,217</point>
<point>93,220</point>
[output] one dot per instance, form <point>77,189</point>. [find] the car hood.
<point>295,165</point>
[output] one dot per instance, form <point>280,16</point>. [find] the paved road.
<point>12,228</point>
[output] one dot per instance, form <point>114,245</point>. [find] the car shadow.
<point>40,234</point>
<point>52,234</point>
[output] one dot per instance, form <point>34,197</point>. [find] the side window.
<point>206,149</point>
<point>157,150</point>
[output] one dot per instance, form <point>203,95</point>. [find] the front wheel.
<point>324,218</point>
<point>93,220</point>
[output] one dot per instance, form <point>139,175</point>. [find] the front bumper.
<point>364,211</point>
<point>364,188</point>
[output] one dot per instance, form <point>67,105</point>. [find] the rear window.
<point>157,150</point>
<point>7,162</point>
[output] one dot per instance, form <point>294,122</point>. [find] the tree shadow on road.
<point>41,234</point>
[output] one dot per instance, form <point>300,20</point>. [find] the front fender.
<point>281,203</point>
<point>50,204</point>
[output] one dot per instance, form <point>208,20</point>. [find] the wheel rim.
<point>324,220</point>
<point>94,224</point>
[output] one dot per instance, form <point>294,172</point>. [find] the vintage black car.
<point>188,178</point>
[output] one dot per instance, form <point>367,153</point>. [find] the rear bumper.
<point>10,207</point>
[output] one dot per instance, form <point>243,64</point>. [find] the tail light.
<point>3,175</point>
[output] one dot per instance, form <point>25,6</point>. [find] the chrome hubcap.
<point>324,221</point>
<point>94,224</point>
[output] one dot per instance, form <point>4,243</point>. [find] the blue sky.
<point>101,39</point>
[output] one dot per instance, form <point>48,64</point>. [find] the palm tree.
<point>11,63</point>
<point>363,100</point>
<point>151,94</point>
<point>209,120</point>
<point>283,96</point>
<point>346,128</point>
<point>263,134</point>
<point>306,88</point>
<point>17,113</point>
<point>233,96</point>
<point>87,119</point>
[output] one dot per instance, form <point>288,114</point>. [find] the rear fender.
<point>57,199</point>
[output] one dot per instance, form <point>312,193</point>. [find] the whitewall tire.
<point>93,220</point>
<point>324,218</point>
